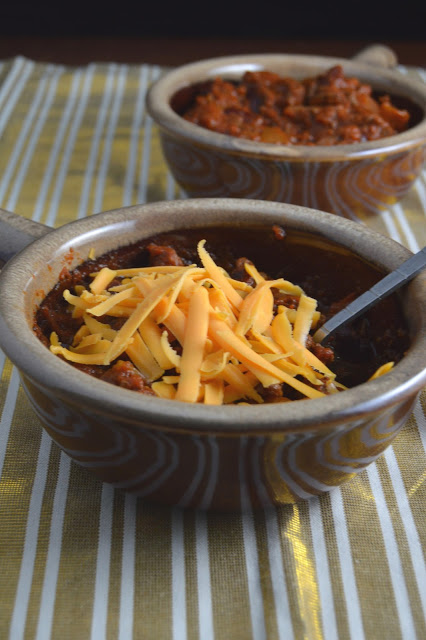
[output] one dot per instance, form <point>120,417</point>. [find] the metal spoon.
<point>394,280</point>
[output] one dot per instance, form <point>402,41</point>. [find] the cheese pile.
<point>231,339</point>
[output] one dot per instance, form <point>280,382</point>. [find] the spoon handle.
<point>405,272</point>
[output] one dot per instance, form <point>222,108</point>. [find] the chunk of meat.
<point>325,354</point>
<point>273,393</point>
<point>124,374</point>
<point>163,256</point>
<point>239,271</point>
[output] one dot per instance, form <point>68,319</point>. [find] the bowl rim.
<point>71,385</point>
<point>161,91</point>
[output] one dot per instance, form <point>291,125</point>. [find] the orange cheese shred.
<point>102,280</point>
<point>217,274</point>
<point>304,316</point>
<point>193,346</point>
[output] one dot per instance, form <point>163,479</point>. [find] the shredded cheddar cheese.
<point>198,335</point>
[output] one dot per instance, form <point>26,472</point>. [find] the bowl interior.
<point>380,336</point>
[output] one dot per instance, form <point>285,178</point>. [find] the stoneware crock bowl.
<point>353,180</point>
<point>177,453</point>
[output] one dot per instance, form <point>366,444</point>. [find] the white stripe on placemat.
<point>10,92</point>
<point>179,623</point>
<point>68,150</point>
<point>127,584</point>
<point>328,614</point>
<point>103,560</point>
<point>22,139</point>
<point>391,226</point>
<point>251,557</point>
<point>2,362</point>
<point>19,616</point>
<point>13,73</point>
<point>402,600</point>
<point>5,114</point>
<point>134,137</point>
<point>420,187</point>
<point>108,139</point>
<point>279,584</point>
<point>205,609</point>
<point>31,147</point>
<point>54,152</point>
<point>275,556</point>
<point>48,594</point>
<point>146,149</point>
<point>421,193</point>
<point>421,422</point>
<point>413,538</point>
<point>7,414</point>
<point>356,630</point>
<point>411,241</point>
<point>96,140</point>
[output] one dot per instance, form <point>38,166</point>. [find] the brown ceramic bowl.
<point>192,455</point>
<point>353,180</point>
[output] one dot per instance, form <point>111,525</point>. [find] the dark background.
<point>177,32</point>
<point>261,19</point>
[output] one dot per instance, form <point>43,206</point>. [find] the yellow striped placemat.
<point>81,560</point>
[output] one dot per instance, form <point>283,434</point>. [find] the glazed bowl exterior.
<point>353,180</point>
<point>175,453</point>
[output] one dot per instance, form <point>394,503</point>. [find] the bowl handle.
<point>16,232</point>
<point>378,55</point>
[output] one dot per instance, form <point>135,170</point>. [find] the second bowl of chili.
<point>337,135</point>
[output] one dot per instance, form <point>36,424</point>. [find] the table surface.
<point>82,560</point>
<point>176,51</point>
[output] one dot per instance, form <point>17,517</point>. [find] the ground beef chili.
<point>324,272</point>
<point>327,109</point>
